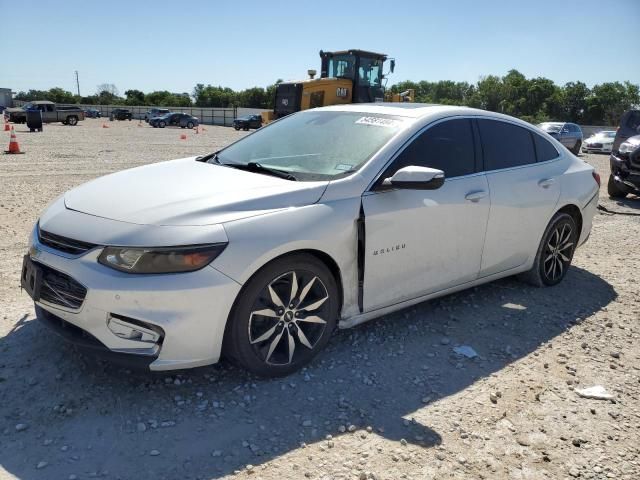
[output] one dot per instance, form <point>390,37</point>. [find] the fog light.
<point>124,328</point>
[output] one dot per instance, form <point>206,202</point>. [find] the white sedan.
<point>600,142</point>
<point>326,218</point>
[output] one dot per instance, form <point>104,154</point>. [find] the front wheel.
<point>576,149</point>
<point>613,189</point>
<point>190,125</point>
<point>236,127</point>
<point>283,316</point>
<point>555,252</point>
<point>162,124</point>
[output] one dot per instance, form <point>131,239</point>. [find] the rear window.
<point>544,150</point>
<point>505,145</point>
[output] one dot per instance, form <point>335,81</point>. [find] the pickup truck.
<point>50,113</point>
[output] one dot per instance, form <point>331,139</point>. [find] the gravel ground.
<point>387,400</point>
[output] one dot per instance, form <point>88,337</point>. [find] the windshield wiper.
<point>205,158</point>
<point>258,168</point>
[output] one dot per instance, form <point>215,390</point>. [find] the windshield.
<point>610,134</point>
<point>551,127</point>
<point>315,145</point>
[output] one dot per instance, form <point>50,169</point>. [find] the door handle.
<point>475,196</point>
<point>546,182</point>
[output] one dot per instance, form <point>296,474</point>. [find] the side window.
<point>447,146</point>
<point>49,108</point>
<point>544,150</point>
<point>633,120</point>
<point>505,145</point>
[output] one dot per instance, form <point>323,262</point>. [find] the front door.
<point>422,241</point>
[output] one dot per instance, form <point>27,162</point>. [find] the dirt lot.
<point>387,400</point>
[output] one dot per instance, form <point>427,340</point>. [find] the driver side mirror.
<point>415,178</point>
<point>392,65</point>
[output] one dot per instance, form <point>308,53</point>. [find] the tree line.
<point>531,99</point>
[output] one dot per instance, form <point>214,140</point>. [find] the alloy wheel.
<point>558,252</point>
<point>288,317</point>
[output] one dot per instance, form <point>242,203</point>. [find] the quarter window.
<point>447,146</point>
<point>544,150</point>
<point>505,145</point>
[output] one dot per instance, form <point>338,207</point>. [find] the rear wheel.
<point>613,189</point>
<point>283,316</point>
<point>72,121</point>
<point>555,252</point>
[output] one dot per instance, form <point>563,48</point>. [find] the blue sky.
<point>170,45</point>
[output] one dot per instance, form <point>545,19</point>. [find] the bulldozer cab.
<point>363,68</point>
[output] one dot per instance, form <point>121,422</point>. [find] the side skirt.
<point>364,317</point>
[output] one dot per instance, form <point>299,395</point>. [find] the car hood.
<point>187,192</point>
<point>14,109</point>
<point>599,139</point>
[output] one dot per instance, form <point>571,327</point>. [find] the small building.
<point>6,100</point>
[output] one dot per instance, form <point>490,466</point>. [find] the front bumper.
<point>603,149</point>
<point>190,308</point>
<point>626,174</point>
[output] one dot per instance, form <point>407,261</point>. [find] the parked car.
<point>155,112</point>
<point>121,114</point>
<point>182,120</point>
<point>625,169</point>
<point>51,113</point>
<point>328,217</point>
<point>629,127</point>
<point>569,134</point>
<point>247,122</point>
<point>600,142</point>
<point>92,113</point>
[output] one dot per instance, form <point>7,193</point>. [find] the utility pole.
<point>78,83</point>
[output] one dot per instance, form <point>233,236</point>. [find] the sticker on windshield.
<point>378,121</point>
<point>344,166</point>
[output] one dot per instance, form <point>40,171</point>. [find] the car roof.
<point>418,110</point>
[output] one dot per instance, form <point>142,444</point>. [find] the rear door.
<point>423,241</point>
<point>524,192</point>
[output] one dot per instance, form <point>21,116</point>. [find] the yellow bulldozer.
<point>347,76</point>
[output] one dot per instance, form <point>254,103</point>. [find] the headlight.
<point>627,147</point>
<point>160,260</point>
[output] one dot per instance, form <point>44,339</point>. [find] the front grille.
<point>64,244</point>
<point>594,145</point>
<point>60,289</point>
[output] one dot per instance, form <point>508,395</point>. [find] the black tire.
<point>190,125</point>
<point>162,124</point>
<point>613,189</point>
<point>262,343</point>
<point>551,264</point>
<point>73,121</point>
<point>576,149</point>
<point>236,127</point>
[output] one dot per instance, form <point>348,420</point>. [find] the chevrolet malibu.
<point>326,218</point>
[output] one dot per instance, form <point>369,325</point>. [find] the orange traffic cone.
<point>183,137</point>
<point>14,148</point>
<point>104,125</point>
<point>197,129</point>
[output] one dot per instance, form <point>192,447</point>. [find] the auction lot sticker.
<point>379,121</point>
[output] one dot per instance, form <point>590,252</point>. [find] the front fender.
<point>326,227</point>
